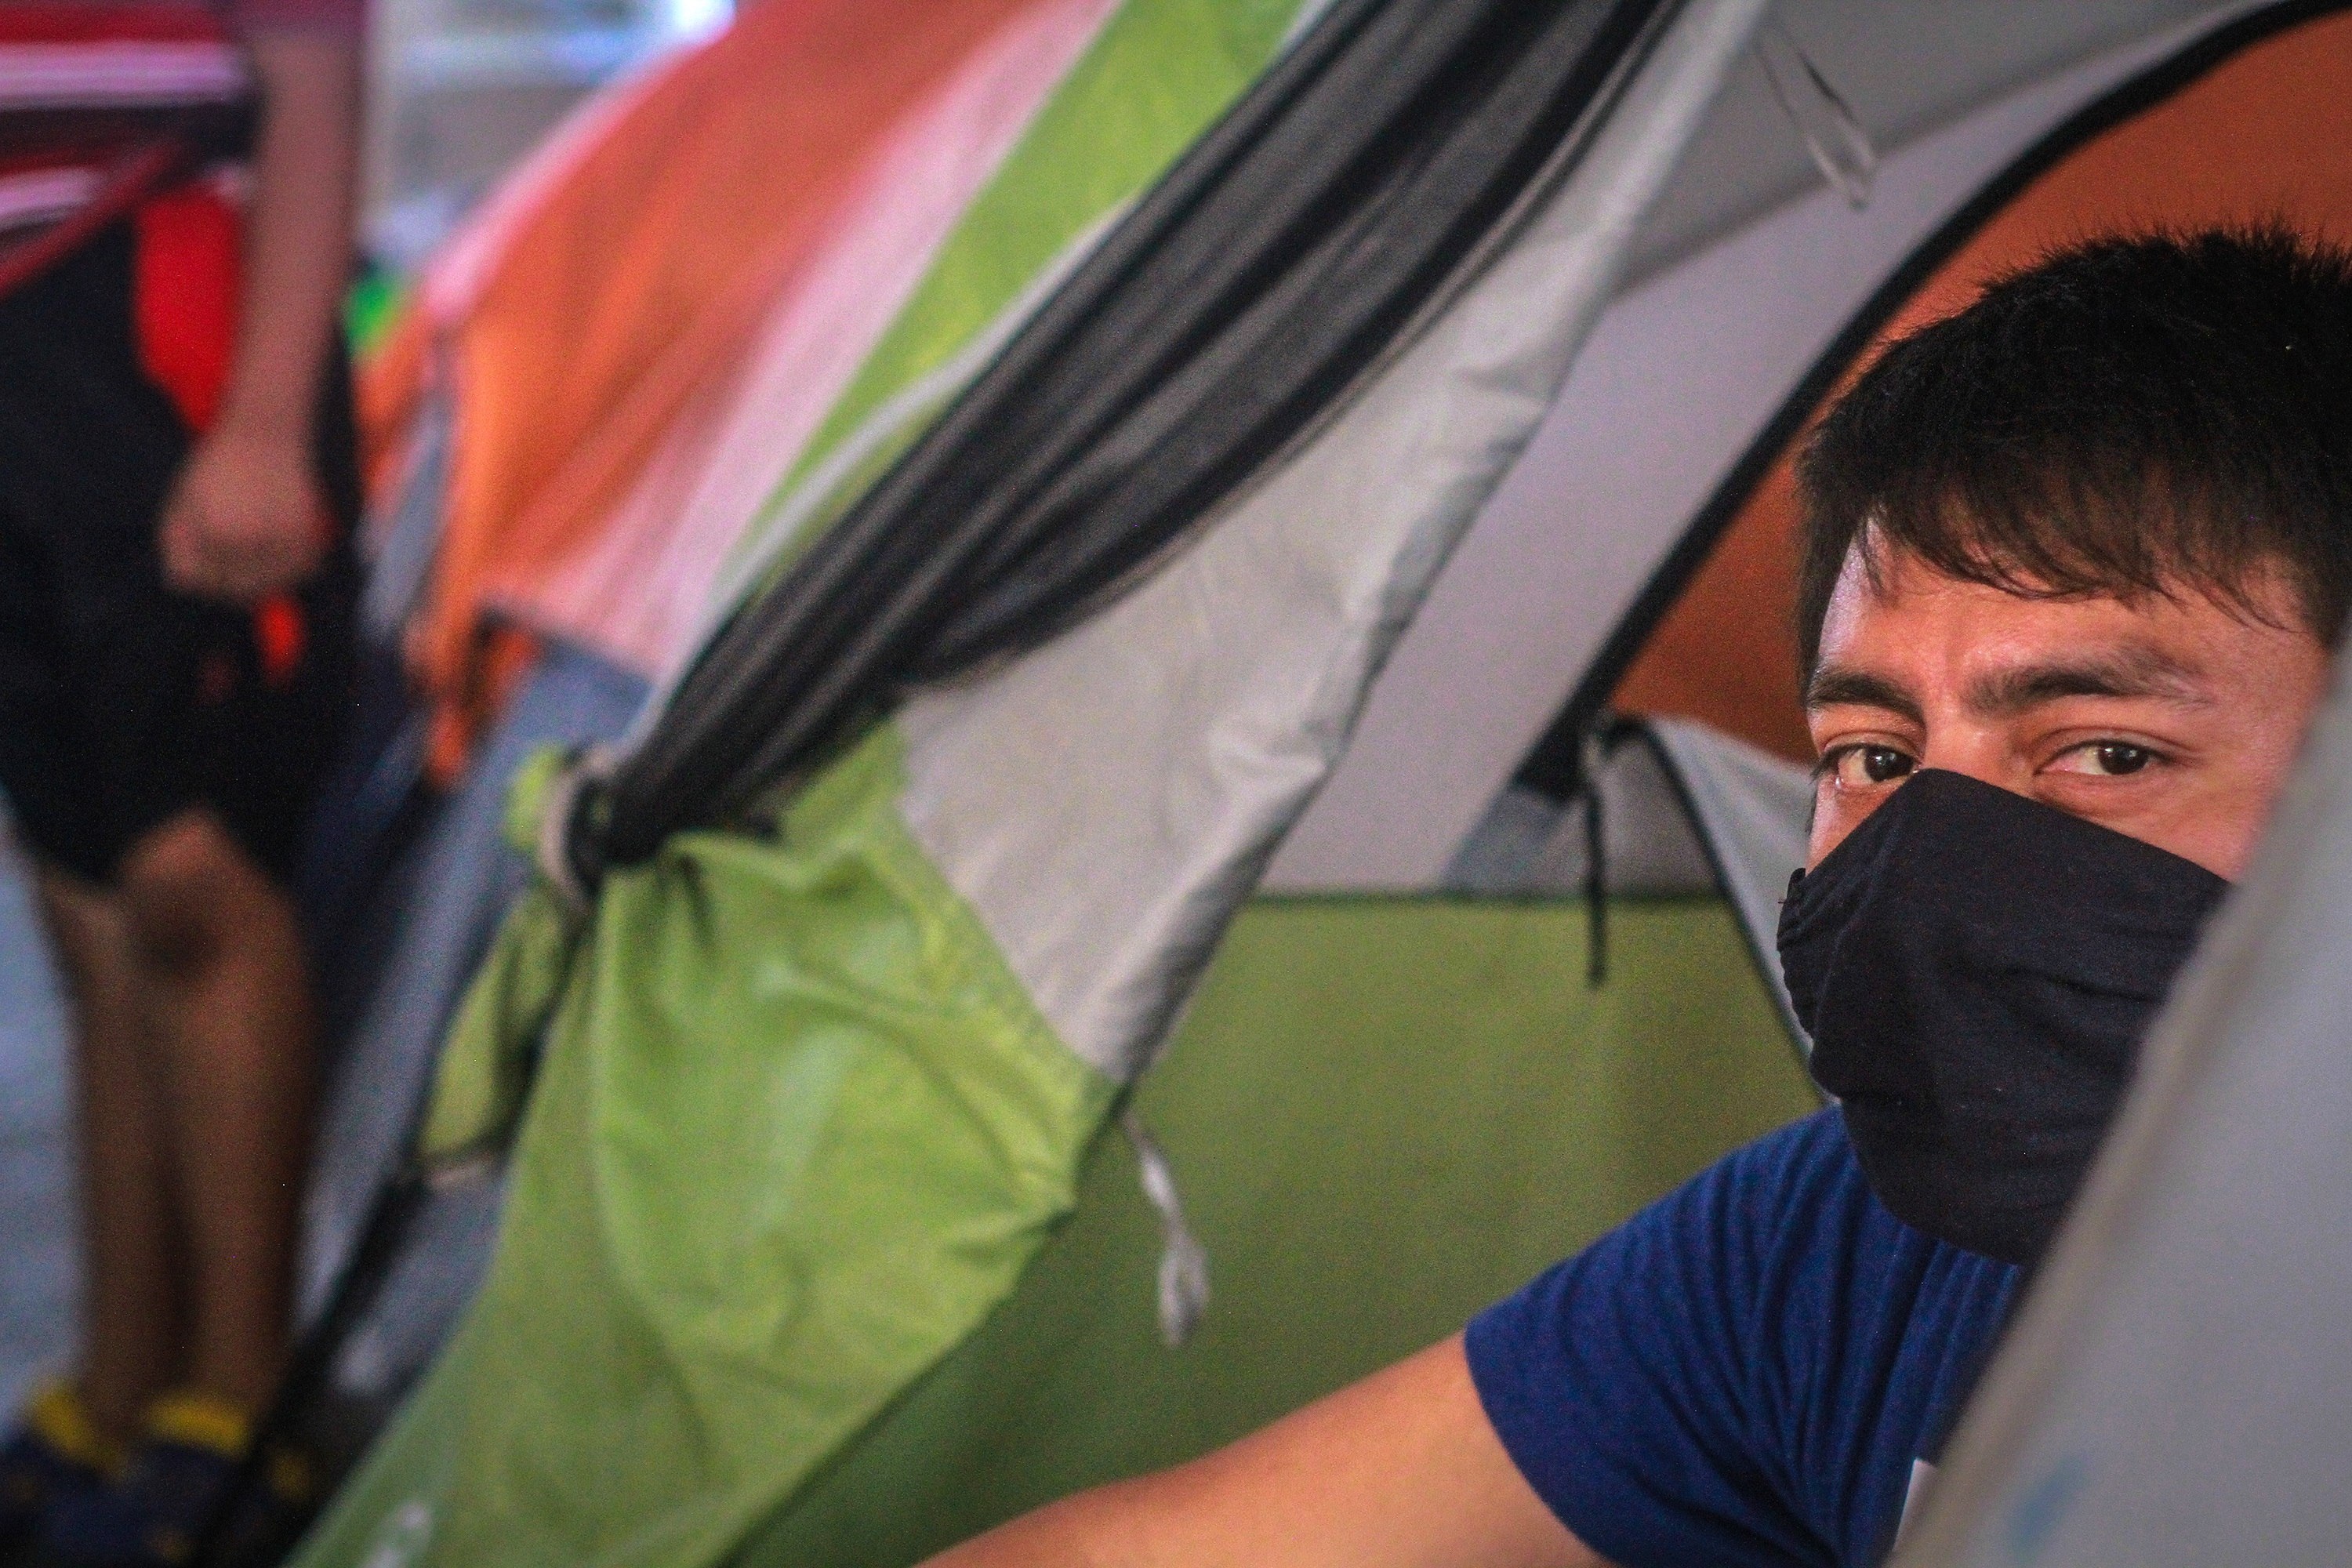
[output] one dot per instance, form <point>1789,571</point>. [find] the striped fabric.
<point>134,54</point>
<point>134,110</point>
<point>44,193</point>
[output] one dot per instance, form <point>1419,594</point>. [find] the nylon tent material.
<point>1682,376</point>
<point>1531,845</point>
<point>1286,252</point>
<point>819,1158</point>
<point>1068,170</point>
<point>943,1113</point>
<point>638,588</point>
<point>1078,821</point>
<point>464,878</point>
<point>1754,810</point>
<point>1148,33</point>
<point>1662,805</point>
<point>1454,1108</point>
<point>2048,108</point>
<point>633,602</point>
<point>2261,134</point>
<point>567,374</point>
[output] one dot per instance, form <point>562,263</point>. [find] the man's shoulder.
<point>1794,1208</point>
<point>1810,1153</point>
<point>1789,1192</point>
<point>1759,1356</point>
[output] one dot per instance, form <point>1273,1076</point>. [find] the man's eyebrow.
<point>2127,672</point>
<point>1842,686</point>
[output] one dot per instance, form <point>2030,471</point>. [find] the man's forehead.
<point>1883,578</point>
<point>1892,635</point>
<point>1903,599</point>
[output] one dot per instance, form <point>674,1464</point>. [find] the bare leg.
<point>223,957</point>
<point>134,1330</point>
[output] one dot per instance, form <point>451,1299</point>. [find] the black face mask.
<point>1976,969</point>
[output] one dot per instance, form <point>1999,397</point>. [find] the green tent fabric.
<point>762,1185</point>
<point>1385,1112</point>
<point>864,1100</point>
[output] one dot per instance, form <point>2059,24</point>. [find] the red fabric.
<point>170,21</point>
<point>109,21</point>
<point>185,282</point>
<point>281,638</point>
<point>184,296</point>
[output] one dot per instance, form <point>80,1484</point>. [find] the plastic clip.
<point>1833,134</point>
<point>1183,1261</point>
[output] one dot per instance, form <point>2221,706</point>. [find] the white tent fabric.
<point>1906,67</point>
<point>1217,696</point>
<point>1753,809</point>
<point>2174,1390</point>
<point>1676,380</point>
<point>1530,844</point>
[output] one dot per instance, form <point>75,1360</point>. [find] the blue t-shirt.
<point>1746,1371</point>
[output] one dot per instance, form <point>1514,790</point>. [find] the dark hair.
<point>2135,416</point>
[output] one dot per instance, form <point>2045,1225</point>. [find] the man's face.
<point>2175,721</point>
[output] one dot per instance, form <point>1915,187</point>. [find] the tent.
<point>1293,526</point>
<point>649,320</point>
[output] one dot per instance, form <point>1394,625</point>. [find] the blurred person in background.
<point>177,493</point>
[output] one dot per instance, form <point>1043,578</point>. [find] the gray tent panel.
<point>466,876</point>
<point>1906,67</point>
<point>447,1248</point>
<point>1530,844</point>
<point>1754,810</point>
<point>1683,808</point>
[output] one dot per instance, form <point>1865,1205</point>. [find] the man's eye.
<point>2104,759</point>
<point>1884,765</point>
<point>1858,765</point>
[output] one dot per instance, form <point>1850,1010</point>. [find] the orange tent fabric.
<point>571,342</point>
<point>640,592</point>
<point>2267,134</point>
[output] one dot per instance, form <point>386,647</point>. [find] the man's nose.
<point>1975,751</point>
<point>1981,756</point>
